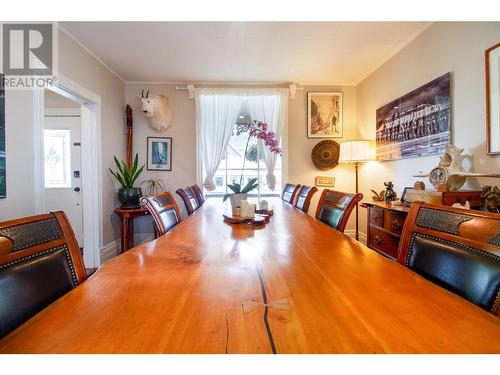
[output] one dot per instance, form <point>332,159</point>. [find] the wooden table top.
<point>295,286</point>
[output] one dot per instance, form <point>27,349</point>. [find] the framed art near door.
<point>324,115</point>
<point>492,68</point>
<point>159,154</point>
<point>3,177</point>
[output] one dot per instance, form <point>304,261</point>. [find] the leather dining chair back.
<point>163,210</point>
<point>290,193</point>
<point>335,207</point>
<point>198,194</point>
<point>40,261</point>
<point>189,199</point>
<point>304,197</point>
<point>455,248</point>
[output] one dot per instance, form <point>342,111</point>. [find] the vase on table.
<point>236,202</point>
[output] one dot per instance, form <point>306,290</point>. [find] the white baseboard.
<point>352,233</point>
<point>109,251</point>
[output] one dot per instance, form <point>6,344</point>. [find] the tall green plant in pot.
<point>128,195</point>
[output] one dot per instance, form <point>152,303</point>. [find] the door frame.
<point>90,115</point>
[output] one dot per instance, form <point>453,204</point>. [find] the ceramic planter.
<point>129,198</point>
<point>236,201</point>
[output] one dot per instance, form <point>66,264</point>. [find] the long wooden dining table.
<point>294,286</point>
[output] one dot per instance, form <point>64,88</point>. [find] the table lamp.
<point>357,152</point>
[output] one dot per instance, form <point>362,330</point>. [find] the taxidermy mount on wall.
<point>157,111</point>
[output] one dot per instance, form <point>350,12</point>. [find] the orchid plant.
<point>256,129</point>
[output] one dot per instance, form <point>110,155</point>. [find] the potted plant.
<point>154,186</point>
<point>128,195</point>
<point>239,193</point>
<point>256,129</point>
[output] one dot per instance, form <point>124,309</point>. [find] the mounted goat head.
<point>157,111</point>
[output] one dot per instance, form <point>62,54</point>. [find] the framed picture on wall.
<point>416,124</point>
<point>3,177</point>
<point>324,115</point>
<point>324,181</point>
<point>159,154</point>
<point>492,65</point>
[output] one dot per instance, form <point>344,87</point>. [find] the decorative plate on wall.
<point>325,155</point>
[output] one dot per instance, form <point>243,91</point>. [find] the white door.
<point>62,169</point>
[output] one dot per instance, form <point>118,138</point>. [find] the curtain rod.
<point>292,87</point>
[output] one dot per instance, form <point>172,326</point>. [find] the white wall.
<point>53,100</point>
<point>301,170</point>
<point>444,47</point>
<point>79,66</point>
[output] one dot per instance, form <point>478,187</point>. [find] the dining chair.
<point>189,199</point>
<point>40,261</point>
<point>456,249</point>
<point>290,192</point>
<point>335,207</point>
<point>198,194</point>
<point>304,197</point>
<point>163,210</point>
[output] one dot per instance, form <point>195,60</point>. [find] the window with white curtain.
<point>221,151</point>
<point>230,168</point>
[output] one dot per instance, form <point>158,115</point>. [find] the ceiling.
<point>268,52</point>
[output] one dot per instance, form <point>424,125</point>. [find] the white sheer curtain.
<point>269,105</point>
<point>216,112</point>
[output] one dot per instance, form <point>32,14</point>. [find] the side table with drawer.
<point>385,224</point>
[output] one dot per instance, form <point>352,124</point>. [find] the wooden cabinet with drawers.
<point>385,224</point>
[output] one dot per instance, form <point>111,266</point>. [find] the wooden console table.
<point>127,225</point>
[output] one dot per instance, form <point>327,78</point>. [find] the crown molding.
<point>98,59</point>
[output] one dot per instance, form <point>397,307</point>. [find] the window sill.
<point>220,195</point>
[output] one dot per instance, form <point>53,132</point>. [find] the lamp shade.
<point>357,151</point>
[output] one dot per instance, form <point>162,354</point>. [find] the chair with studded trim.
<point>335,207</point>
<point>189,199</point>
<point>163,210</point>
<point>40,261</point>
<point>290,192</point>
<point>304,197</point>
<point>456,249</point>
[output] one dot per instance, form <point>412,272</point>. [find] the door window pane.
<point>57,158</point>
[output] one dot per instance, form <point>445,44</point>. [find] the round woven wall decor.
<point>325,155</point>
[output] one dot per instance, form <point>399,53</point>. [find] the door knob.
<point>76,189</point>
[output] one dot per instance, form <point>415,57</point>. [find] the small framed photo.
<point>159,154</point>
<point>325,181</point>
<point>324,115</point>
<point>405,190</point>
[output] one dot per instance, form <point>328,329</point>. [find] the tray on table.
<point>259,220</point>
